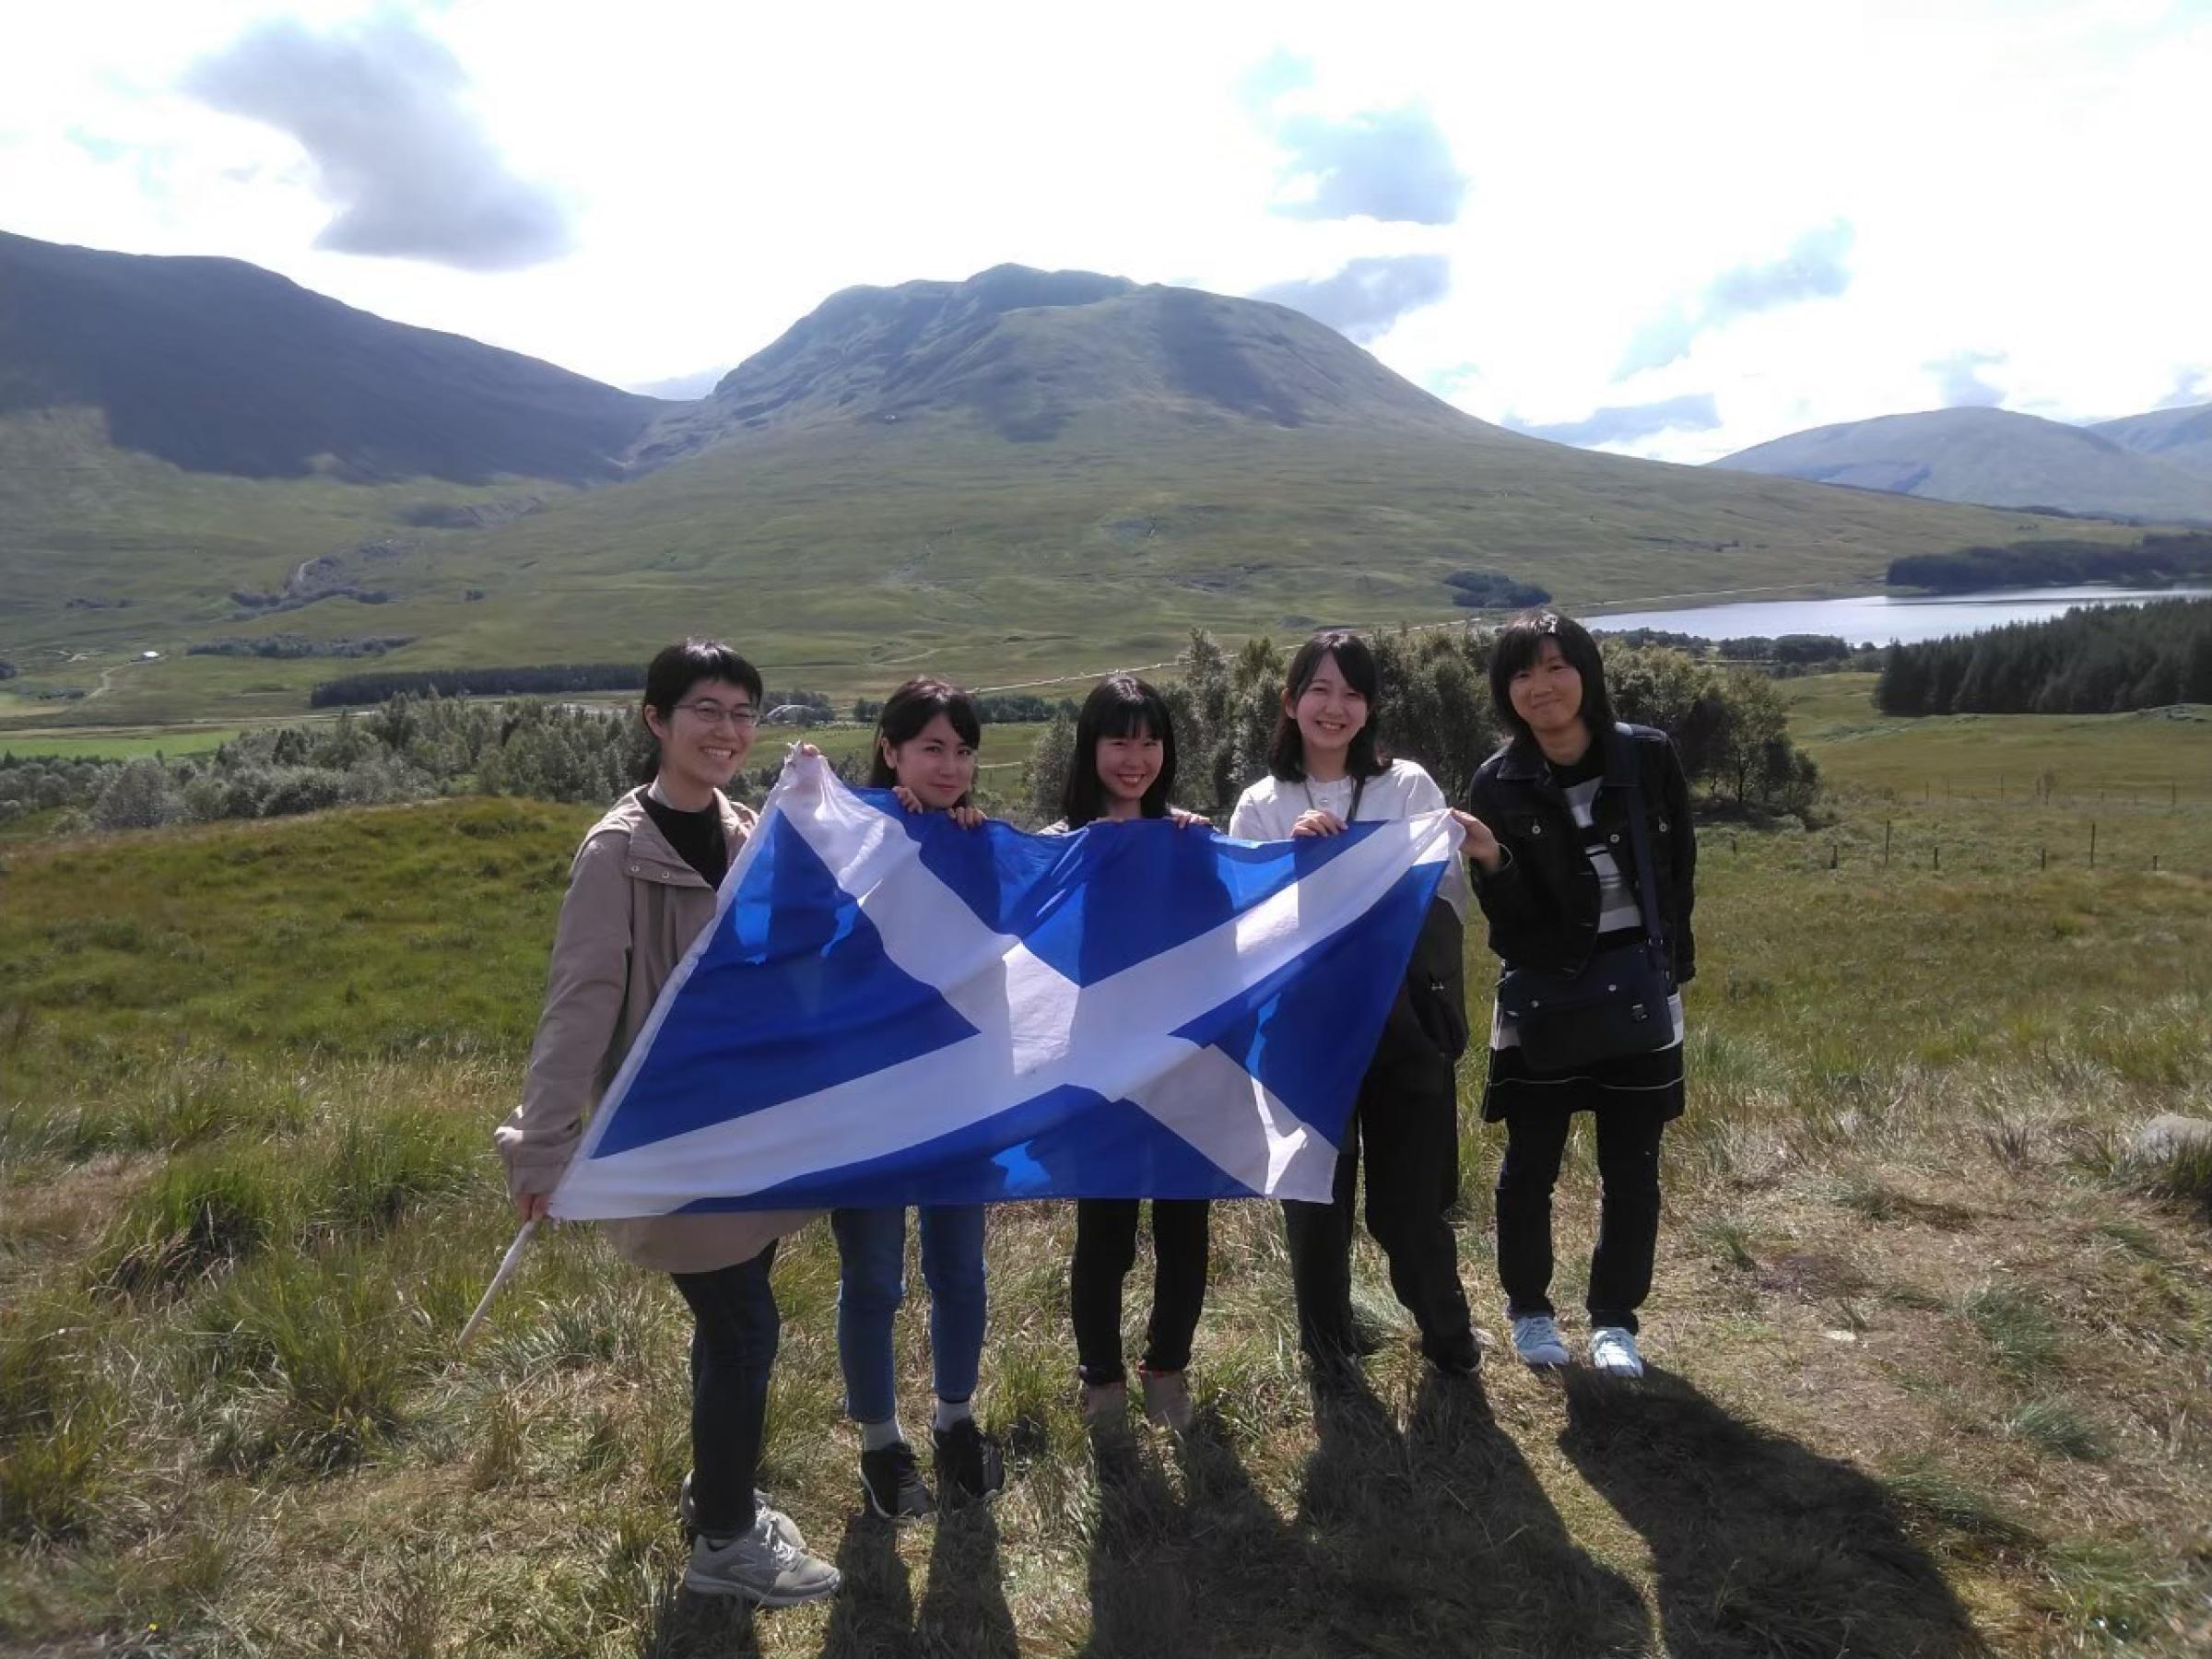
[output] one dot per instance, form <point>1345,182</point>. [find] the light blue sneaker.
<point>1537,1342</point>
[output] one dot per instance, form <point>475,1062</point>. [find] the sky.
<point>1672,230</point>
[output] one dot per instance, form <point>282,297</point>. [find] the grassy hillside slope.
<point>847,561</point>
<point>1935,1356</point>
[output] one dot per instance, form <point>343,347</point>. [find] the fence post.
<point>1938,864</point>
<point>2154,864</point>
<point>1831,855</point>
<point>1885,844</point>
<point>2092,843</point>
<point>2042,858</point>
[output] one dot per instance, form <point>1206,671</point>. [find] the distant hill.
<point>1021,475</point>
<point>1024,353</point>
<point>216,366</point>
<point>1992,457</point>
<point>2180,437</point>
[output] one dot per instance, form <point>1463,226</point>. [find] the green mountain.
<point>217,366</point>
<point>1998,458</point>
<point>1022,474</point>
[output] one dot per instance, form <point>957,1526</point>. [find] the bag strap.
<point>1647,885</point>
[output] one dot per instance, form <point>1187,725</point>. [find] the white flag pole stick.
<point>507,1263</point>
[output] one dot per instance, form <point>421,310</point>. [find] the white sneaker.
<point>762,1567</point>
<point>1613,1351</point>
<point>1537,1342</point>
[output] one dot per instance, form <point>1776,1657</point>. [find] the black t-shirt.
<point>696,836</point>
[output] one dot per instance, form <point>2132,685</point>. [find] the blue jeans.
<point>871,1252</point>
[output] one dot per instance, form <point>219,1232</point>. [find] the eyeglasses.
<point>714,713</point>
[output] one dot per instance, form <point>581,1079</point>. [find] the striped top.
<point>1617,908</point>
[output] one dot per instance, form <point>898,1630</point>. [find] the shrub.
<point>140,796</point>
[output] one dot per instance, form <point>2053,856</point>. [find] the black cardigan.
<point>1542,904</point>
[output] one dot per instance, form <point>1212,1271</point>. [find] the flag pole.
<point>507,1263</point>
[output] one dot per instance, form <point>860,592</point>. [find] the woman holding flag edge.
<point>642,886</point>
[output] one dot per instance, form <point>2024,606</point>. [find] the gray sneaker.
<point>1537,1342</point>
<point>760,1567</point>
<point>785,1527</point>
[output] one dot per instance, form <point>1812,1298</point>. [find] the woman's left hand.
<point>967,818</point>
<point>1188,821</point>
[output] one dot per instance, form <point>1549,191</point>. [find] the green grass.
<point>860,555</point>
<point>123,743</point>
<point>1933,1356</point>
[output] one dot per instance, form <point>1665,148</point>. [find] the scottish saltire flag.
<point>889,1009</point>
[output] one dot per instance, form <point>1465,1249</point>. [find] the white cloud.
<point>2016,177</point>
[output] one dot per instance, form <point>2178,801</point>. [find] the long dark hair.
<point>673,672</point>
<point>1121,705</point>
<point>1518,645</point>
<point>1287,749</point>
<point>911,708</point>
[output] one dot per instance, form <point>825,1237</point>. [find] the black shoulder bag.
<point>1619,1002</point>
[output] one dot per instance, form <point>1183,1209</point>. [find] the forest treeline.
<point>1729,725</point>
<point>2091,660</point>
<point>2157,558</point>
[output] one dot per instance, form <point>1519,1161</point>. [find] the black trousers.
<point>734,1334</point>
<point>1105,1251</point>
<point>1406,1122</point>
<point>1628,1223</point>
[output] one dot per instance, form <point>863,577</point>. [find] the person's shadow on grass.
<point>1439,1539</point>
<point>964,1613</point>
<point>682,1624</point>
<point>963,1610</point>
<point>1761,1546</point>
<point>873,1611</point>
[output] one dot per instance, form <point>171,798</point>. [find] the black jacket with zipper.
<point>1542,904</point>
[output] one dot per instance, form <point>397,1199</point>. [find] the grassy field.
<point>1935,1352</point>
<point>846,561</point>
<point>117,743</point>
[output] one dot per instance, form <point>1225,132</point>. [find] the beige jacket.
<point>633,908</point>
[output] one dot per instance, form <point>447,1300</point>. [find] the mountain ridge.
<point>998,478</point>
<point>1988,457</point>
<point>1002,349</point>
<point>307,384</point>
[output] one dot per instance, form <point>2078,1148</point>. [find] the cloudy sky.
<point>1671,231</point>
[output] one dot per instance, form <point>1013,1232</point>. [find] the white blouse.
<point>1268,810</point>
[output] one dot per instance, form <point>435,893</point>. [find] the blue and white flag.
<point>889,1009</point>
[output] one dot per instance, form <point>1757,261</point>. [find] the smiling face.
<point>705,737</point>
<point>1127,768</point>
<point>936,763</point>
<point>1548,692</point>
<point>1329,713</point>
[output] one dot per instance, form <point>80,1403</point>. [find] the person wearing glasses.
<point>641,888</point>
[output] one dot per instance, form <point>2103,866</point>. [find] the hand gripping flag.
<point>889,1009</point>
